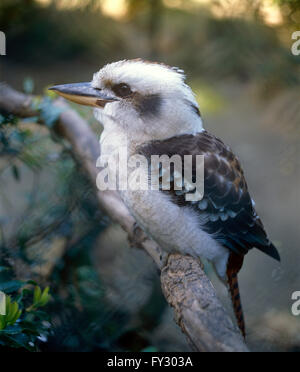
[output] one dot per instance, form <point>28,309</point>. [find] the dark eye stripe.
<point>122,90</point>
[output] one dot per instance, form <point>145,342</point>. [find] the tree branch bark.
<point>187,289</point>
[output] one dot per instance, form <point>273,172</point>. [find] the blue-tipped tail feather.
<point>271,251</point>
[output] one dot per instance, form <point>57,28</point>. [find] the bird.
<point>150,109</point>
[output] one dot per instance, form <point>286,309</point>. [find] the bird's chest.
<point>111,143</point>
<point>173,227</point>
<point>117,155</point>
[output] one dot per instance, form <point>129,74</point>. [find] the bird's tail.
<point>236,300</point>
<point>235,264</point>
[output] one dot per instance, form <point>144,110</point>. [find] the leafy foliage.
<point>23,327</point>
<point>59,222</point>
<point>12,314</point>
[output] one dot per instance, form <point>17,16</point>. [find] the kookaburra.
<point>149,108</point>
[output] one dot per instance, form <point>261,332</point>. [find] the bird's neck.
<point>115,136</point>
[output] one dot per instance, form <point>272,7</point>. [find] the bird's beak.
<point>83,94</point>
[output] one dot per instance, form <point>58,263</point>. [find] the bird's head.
<point>145,99</point>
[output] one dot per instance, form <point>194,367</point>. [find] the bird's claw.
<point>137,237</point>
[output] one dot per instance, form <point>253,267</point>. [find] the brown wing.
<point>227,207</point>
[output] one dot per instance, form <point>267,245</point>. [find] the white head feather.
<point>177,111</point>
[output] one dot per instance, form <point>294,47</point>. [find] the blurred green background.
<point>238,59</point>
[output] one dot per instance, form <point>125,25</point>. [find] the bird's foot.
<point>137,237</point>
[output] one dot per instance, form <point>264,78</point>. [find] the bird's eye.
<point>122,90</point>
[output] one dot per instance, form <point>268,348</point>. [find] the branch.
<point>187,289</point>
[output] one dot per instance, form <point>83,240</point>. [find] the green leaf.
<point>18,314</point>
<point>37,295</point>
<point>31,282</point>
<point>14,313</point>
<point>3,269</point>
<point>8,302</point>
<point>45,297</point>
<point>2,322</point>
<point>12,286</point>
<point>20,340</point>
<point>11,330</point>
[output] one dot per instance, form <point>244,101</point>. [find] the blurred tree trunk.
<point>154,11</point>
<point>12,12</point>
<point>290,11</point>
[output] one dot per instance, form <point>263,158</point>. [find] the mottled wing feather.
<point>227,207</point>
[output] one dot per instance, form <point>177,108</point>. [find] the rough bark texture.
<point>198,311</point>
<point>187,289</point>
